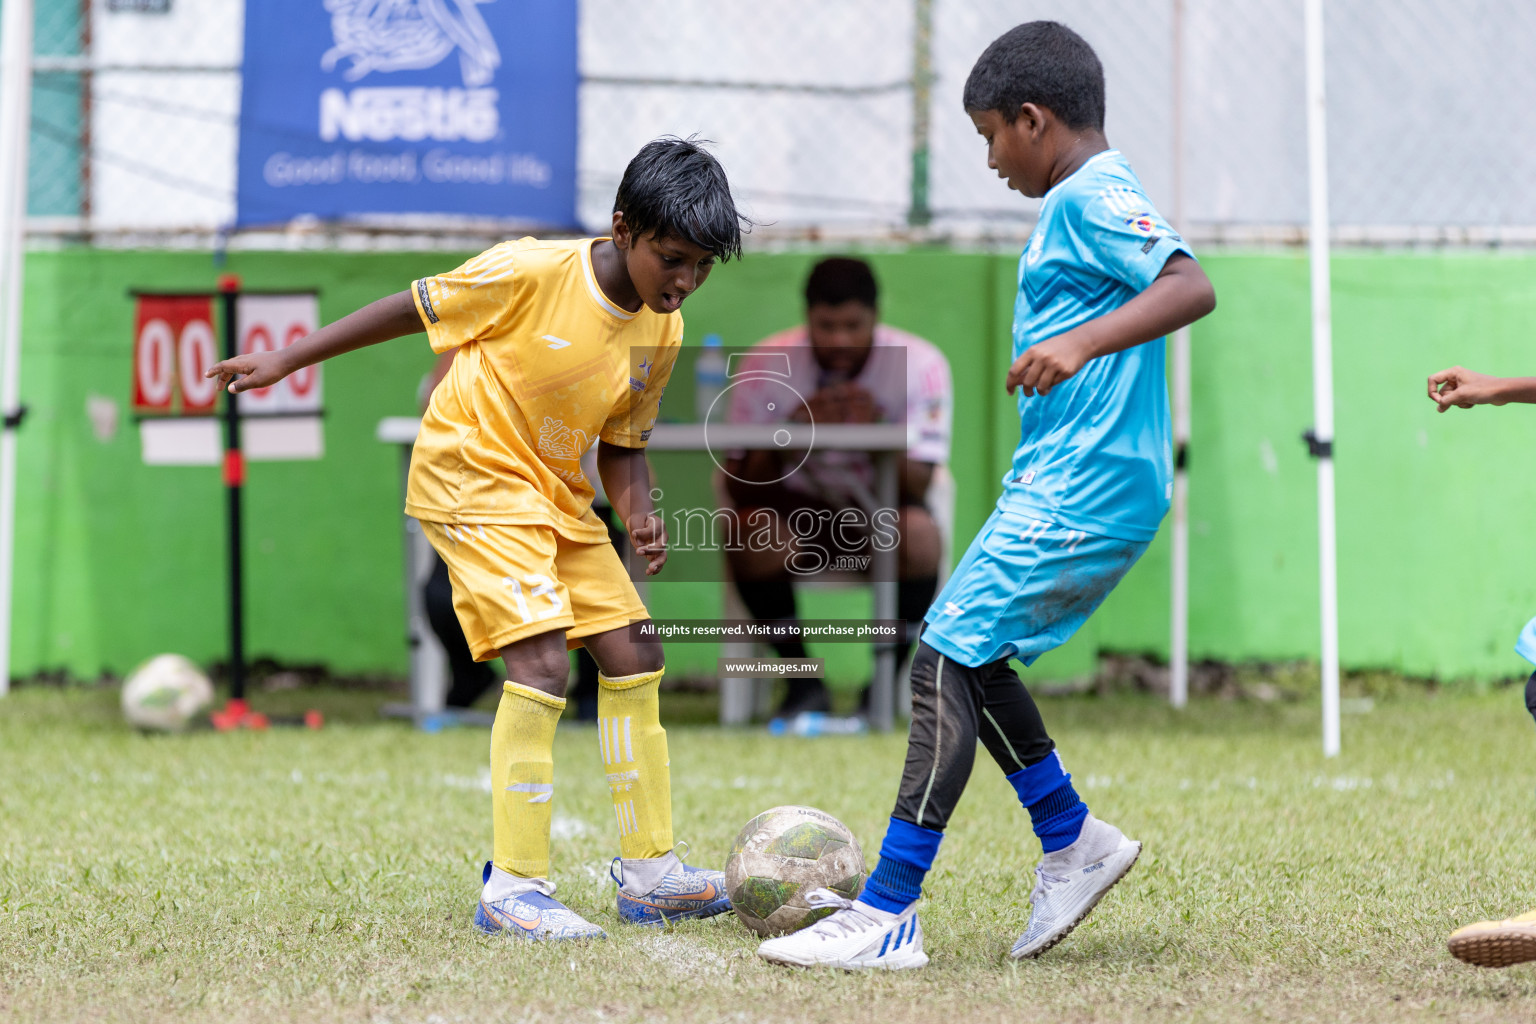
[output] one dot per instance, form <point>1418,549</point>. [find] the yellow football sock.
<point>523,778</point>
<point>634,747</point>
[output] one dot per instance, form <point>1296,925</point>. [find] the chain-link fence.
<point>842,118</point>
<point>134,115</point>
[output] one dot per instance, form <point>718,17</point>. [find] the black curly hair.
<point>674,188</point>
<point>1041,62</point>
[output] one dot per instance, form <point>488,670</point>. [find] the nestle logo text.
<point>410,113</point>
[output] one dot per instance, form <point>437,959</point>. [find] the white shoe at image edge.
<point>855,937</point>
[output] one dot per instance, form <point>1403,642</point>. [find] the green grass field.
<point>331,876</point>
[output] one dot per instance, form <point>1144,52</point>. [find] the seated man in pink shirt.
<point>843,366</point>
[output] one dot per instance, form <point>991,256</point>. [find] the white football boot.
<point>855,936</point>
<point>1071,881</point>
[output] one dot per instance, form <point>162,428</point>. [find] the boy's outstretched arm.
<point>1464,389</point>
<point>1180,295</point>
<point>393,316</point>
<point>626,480</point>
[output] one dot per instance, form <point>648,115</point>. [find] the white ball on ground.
<point>780,856</point>
<point>165,693</point>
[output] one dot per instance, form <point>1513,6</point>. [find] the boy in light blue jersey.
<point>1102,279</point>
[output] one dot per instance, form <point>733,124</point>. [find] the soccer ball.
<point>164,693</point>
<point>780,856</point>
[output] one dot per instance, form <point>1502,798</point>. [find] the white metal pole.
<point>1322,372</point>
<point>15,124</point>
<point>1178,646</point>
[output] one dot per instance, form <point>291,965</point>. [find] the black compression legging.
<point>953,705</point>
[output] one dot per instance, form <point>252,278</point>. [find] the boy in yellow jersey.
<point>558,346</point>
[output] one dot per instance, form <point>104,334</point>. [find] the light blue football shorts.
<point>1526,645</point>
<point>1024,587</point>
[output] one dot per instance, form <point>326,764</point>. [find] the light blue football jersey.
<point>1094,454</point>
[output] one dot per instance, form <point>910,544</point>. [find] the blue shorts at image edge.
<point>1024,587</point>
<point>1525,646</point>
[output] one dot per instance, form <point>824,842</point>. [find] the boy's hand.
<point>257,370</point>
<point>648,536</point>
<point>1464,389</point>
<point>1044,365</point>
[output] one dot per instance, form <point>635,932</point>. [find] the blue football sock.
<point>905,857</point>
<point>1055,810</point>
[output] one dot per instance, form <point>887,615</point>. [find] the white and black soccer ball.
<point>780,856</point>
<point>164,693</point>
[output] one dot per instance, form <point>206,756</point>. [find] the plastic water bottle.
<point>817,723</point>
<point>709,378</point>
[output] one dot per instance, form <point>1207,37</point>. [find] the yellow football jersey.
<point>546,365</point>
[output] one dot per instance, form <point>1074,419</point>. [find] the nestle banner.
<point>359,107</point>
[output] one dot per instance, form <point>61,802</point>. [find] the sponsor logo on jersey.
<point>557,441</point>
<point>1036,247</point>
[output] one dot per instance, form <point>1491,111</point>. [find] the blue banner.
<point>358,107</point>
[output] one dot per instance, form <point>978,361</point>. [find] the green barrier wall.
<point>117,560</point>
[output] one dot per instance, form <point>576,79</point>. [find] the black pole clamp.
<point>1316,447</point>
<point>14,417</point>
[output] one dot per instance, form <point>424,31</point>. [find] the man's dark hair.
<point>1040,62</point>
<point>673,188</point>
<point>839,279</point>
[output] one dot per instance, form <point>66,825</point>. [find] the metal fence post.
<point>919,213</point>
<point>15,123</point>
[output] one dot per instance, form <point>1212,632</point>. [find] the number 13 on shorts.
<point>515,581</point>
<point>542,586</point>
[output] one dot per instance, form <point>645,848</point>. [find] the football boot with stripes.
<point>533,914</point>
<point>1069,883</point>
<point>659,890</point>
<point>854,937</point>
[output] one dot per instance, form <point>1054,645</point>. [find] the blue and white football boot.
<point>1070,882</point>
<point>855,937</point>
<point>526,908</point>
<point>658,890</point>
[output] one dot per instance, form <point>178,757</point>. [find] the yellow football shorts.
<point>512,582</point>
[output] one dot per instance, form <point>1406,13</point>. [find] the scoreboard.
<point>176,341</point>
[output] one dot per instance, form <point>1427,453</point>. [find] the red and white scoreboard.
<point>176,341</point>
<point>173,345</point>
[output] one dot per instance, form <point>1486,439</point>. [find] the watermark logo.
<point>805,452</point>
<point>760,392</point>
<point>825,540</point>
